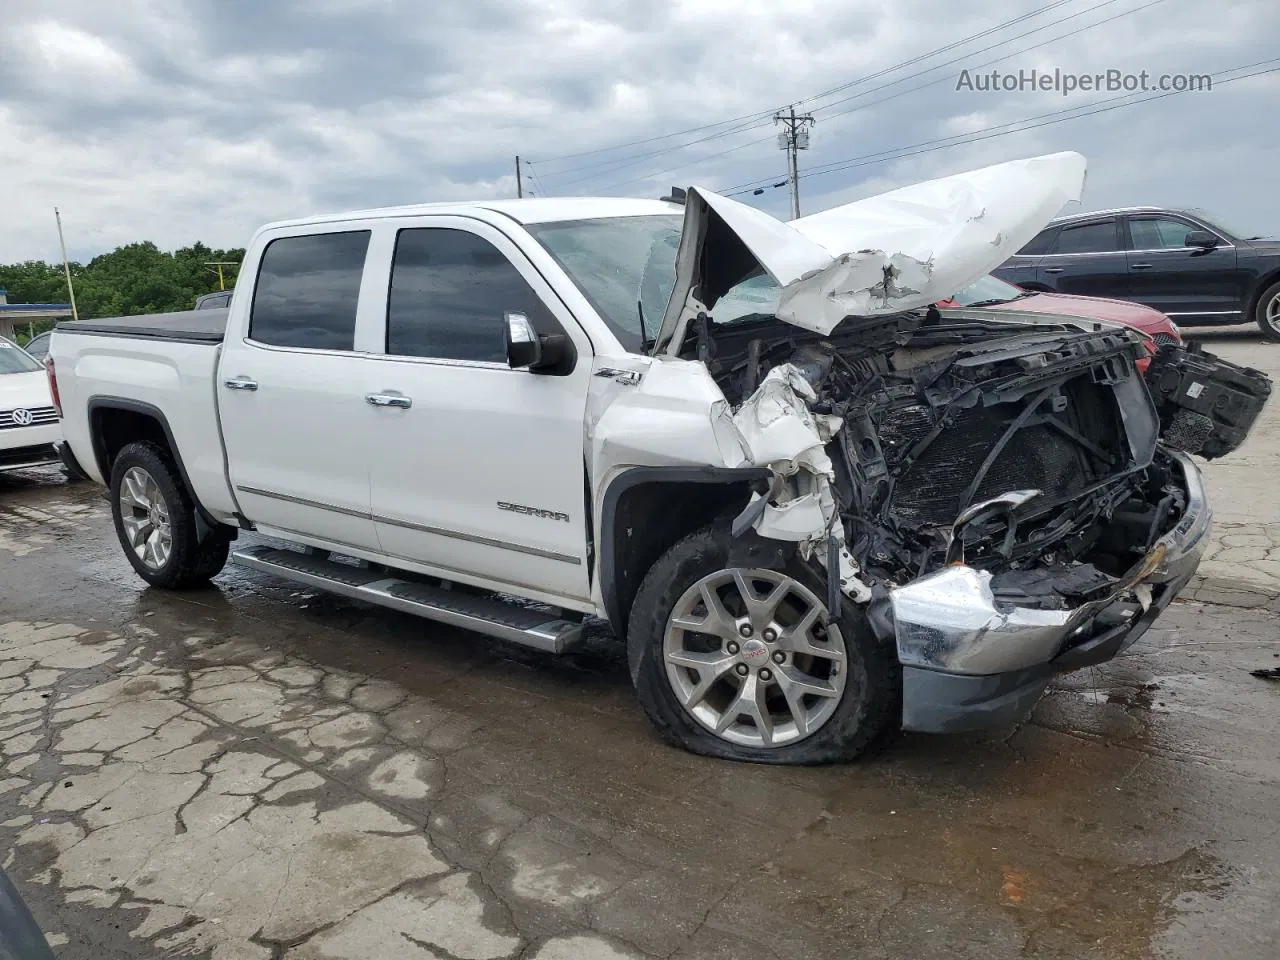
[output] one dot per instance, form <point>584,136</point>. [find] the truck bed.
<point>186,326</point>
<point>162,366</point>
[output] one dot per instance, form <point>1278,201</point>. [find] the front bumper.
<point>28,446</point>
<point>970,663</point>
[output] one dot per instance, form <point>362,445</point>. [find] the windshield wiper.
<point>989,303</point>
<point>644,334</point>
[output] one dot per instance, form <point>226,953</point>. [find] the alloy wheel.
<point>752,657</point>
<point>145,518</point>
<point>1272,313</point>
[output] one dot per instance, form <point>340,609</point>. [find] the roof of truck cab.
<point>528,211</point>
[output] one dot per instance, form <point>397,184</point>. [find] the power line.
<point>534,179</point>
<point>987,63</point>
<point>631,162</point>
<point>765,114</point>
<point>1050,119</point>
<point>990,133</point>
<point>950,46</point>
<point>653,139</point>
<point>758,120</point>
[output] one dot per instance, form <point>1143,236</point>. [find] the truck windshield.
<point>14,359</point>
<point>622,265</point>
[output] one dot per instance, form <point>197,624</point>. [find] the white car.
<point>29,426</point>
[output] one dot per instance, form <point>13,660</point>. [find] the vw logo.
<point>23,418</point>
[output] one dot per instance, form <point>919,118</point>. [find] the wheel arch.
<point>645,510</point>
<point>1255,298</point>
<point>116,422</point>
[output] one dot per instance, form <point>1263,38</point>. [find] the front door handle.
<point>388,400</point>
<point>1139,266</point>
<point>240,383</point>
<point>1054,269</point>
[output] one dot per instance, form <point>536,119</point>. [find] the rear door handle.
<point>240,383</point>
<point>1054,269</point>
<point>388,400</point>
<point>1139,266</point>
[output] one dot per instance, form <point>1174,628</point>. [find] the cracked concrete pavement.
<point>254,771</point>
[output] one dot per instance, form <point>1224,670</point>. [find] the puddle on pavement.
<point>972,847</point>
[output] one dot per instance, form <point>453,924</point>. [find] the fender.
<point>205,521</point>
<point>617,597</point>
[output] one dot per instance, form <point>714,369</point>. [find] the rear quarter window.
<point>1040,244</point>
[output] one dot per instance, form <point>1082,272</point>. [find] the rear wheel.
<point>1268,312</point>
<point>748,664</point>
<point>155,521</point>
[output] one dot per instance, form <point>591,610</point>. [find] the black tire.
<point>1269,325</point>
<point>869,709</point>
<point>191,562</point>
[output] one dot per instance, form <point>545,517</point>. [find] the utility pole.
<point>793,138</point>
<point>66,266</point>
<point>519,179</point>
<point>222,285</point>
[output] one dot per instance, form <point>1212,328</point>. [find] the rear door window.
<point>1088,238</point>
<point>307,291</point>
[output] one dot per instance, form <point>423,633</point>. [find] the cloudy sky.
<point>178,120</point>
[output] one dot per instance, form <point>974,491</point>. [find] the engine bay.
<point>1026,450</point>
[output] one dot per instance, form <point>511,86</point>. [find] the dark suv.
<point>1180,262</point>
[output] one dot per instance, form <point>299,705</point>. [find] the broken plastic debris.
<point>777,426</point>
<point>794,521</point>
<point>780,432</point>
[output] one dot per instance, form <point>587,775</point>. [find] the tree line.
<point>132,279</point>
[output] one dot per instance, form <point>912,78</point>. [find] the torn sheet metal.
<point>779,429</point>
<point>896,251</point>
<point>780,432</point>
<point>927,240</point>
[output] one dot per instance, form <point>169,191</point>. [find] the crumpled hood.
<point>896,251</point>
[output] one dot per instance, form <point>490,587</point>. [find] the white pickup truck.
<point>813,509</point>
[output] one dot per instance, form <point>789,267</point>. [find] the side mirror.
<point>524,346</point>
<point>529,350</point>
<point>1200,238</point>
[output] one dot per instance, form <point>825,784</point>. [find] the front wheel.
<point>748,664</point>
<point>155,521</point>
<point>1268,312</point>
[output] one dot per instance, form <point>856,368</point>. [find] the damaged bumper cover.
<point>970,662</point>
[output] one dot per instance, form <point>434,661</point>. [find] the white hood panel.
<point>896,251</point>
<point>918,244</point>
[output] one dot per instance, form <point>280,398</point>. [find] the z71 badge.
<point>532,511</point>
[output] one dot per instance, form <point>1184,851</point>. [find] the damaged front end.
<point>994,495</point>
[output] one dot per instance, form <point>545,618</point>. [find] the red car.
<point>992,293</point>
